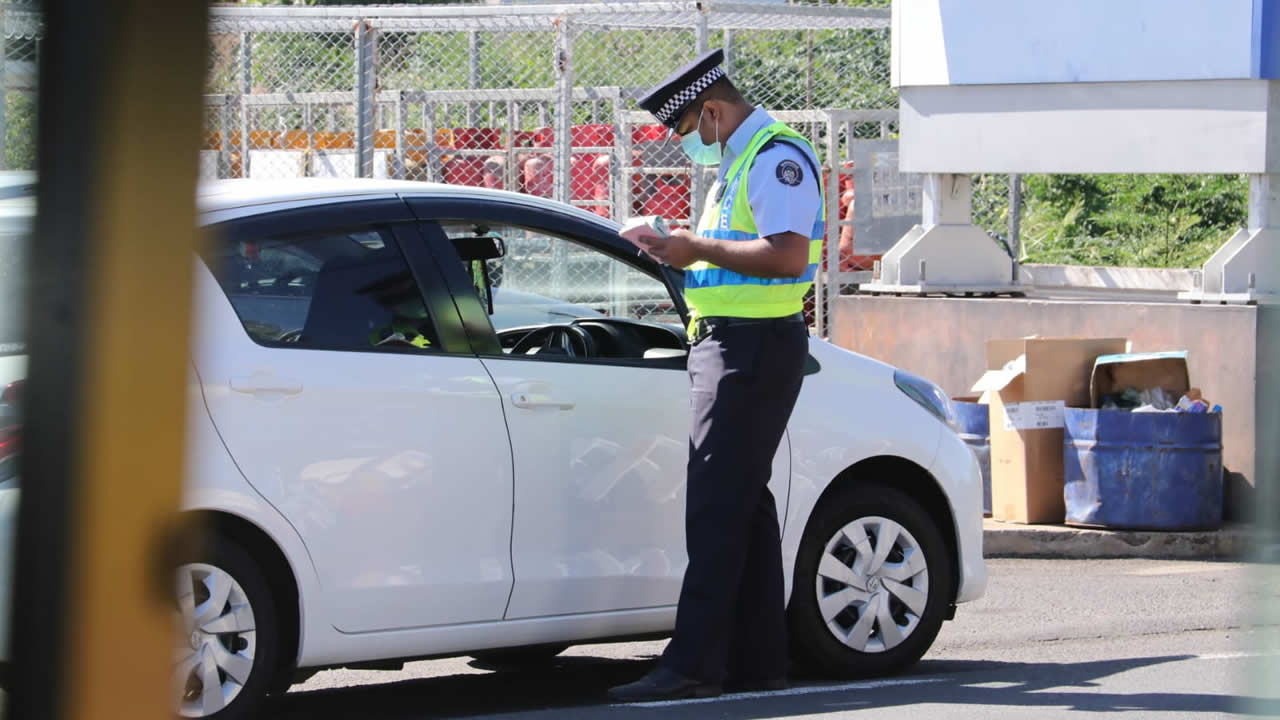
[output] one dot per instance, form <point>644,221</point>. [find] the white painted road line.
<point>1236,655</point>
<point>789,692</point>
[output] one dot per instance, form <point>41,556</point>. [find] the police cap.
<point>670,98</point>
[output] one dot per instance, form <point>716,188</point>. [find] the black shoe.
<point>737,685</point>
<point>663,684</point>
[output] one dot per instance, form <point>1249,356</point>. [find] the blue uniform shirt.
<point>778,202</point>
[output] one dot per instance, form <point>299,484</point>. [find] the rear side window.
<point>333,291</point>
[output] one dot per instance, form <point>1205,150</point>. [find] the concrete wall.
<point>1117,127</point>
<point>988,42</point>
<point>944,340</point>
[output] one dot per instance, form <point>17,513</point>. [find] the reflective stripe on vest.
<point>712,291</point>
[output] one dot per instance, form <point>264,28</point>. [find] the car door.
<point>341,382</point>
<point>600,443</point>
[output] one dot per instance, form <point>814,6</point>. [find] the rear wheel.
<point>872,583</point>
<point>227,642</point>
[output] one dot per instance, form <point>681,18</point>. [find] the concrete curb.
<point>1059,541</point>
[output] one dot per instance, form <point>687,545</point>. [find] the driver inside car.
<point>406,320</point>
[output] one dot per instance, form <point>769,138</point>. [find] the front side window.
<point>332,291</point>
<point>545,278</point>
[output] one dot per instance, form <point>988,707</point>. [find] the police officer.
<point>747,269</point>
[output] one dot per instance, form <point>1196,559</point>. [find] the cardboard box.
<point>1140,371</point>
<point>1028,383</point>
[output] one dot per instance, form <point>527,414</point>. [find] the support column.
<point>1247,268</point>
<point>946,253</point>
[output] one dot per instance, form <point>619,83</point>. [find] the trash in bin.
<point>1144,467</point>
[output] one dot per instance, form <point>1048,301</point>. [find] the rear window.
<point>332,291</point>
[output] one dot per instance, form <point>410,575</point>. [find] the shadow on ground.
<point>575,686</point>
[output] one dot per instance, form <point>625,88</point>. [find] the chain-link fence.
<point>21,24</point>
<point>540,99</point>
<point>531,98</point>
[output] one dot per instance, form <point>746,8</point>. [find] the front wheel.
<point>227,645</point>
<point>872,583</point>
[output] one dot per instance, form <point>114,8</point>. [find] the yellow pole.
<point>109,326</point>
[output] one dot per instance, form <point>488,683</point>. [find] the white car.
<point>386,473</point>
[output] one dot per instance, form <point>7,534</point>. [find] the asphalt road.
<point>1051,639</point>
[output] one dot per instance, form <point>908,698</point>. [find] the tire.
<point>245,657</point>
<point>519,657</point>
<point>826,634</point>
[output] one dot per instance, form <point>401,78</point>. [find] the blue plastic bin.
<point>1143,471</point>
<point>975,430</point>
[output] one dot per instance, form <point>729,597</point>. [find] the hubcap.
<point>872,584</point>
<point>215,616</point>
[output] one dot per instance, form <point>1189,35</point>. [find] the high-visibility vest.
<point>712,291</point>
<point>397,330</point>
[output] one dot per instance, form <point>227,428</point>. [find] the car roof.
<point>247,194</point>
<point>250,196</point>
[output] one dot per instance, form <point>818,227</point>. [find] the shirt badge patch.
<point>789,173</point>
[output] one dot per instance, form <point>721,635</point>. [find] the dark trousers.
<point>730,621</point>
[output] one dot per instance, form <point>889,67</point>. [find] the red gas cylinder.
<point>464,171</point>
<point>600,190</point>
<point>539,179</point>
<point>494,171</point>
<point>581,177</point>
<point>477,138</point>
<point>670,199</point>
<point>595,135</point>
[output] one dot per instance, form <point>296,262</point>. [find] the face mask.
<point>701,154</point>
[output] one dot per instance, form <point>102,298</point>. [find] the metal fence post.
<point>728,52</point>
<point>432,153</point>
<point>366,86</point>
<point>225,127</point>
<point>473,64</point>
<point>563,151</point>
<point>402,121</point>
<point>697,193</point>
<point>825,300</point>
<point>623,189</point>
<point>509,163</point>
<point>1015,220</point>
<point>617,170</point>
<point>808,70</point>
<point>4,91</point>
<point>246,87</point>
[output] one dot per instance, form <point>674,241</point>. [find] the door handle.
<point>266,385</point>
<point>531,401</point>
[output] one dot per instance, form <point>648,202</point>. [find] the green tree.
<point>1131,220</point>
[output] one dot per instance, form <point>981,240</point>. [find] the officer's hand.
<point>679,249</point>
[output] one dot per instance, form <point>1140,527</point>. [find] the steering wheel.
<point>290,336</point>
<point>569,340</point>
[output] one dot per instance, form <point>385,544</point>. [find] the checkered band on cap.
<point>680,100</point>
